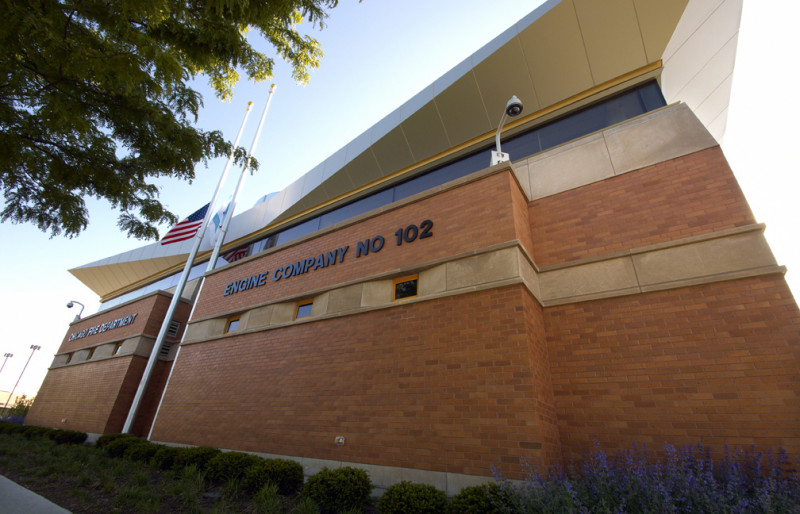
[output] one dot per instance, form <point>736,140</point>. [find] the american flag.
<point>235,255</point>
<point>187,228</point>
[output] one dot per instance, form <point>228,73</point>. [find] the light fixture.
<point>513,108</point>
<point>34,347</point>
<point>77,316</point>
<point>7,356</point>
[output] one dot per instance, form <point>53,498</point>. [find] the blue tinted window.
<point>303,229</point>
<point>304,310</point>
<point>351,210</point>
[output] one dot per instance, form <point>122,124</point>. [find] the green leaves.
<point>95,101</point>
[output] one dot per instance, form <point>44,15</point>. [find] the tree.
<point>21,407</point>
<point>95,98</point>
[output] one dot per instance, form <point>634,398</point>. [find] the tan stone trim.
<point>613,151</point>
<point>139,345</point>
<point>725,255</point>
<point>493,267</point>
<point>755,227</point>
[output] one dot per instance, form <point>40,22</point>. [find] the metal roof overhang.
<point>563,55</point>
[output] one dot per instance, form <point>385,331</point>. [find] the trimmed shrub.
<point>230,465</point>
<point>410,498</point>
<point>478,499</point>
<point>164,457</point>
<point>118,446</point>
<point>197,456</point>
<point>141,451</point>
<point>286,474</point>
<point>68,437</point>
<point>11,428</point>
<point>339,489</point>
<point>105,440</point>
<point>32,432</point>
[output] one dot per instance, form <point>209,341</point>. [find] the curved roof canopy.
<point>561,56</point>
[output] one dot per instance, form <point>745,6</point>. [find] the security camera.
<point>70,305</point>
<point>514,106</point>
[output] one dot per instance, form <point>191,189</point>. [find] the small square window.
<point>405,287</point>
<point>233,324</point>
<point>303,310</point>
<point>117,348</point>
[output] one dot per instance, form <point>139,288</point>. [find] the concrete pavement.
<point>15,499</point>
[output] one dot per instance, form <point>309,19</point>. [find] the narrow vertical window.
<point>91,353</point>
<point>303,309</point>
<point>405,287</point>
<point>117,348</point>
<point>233,324</point>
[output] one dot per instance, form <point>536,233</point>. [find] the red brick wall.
<point>444,385</point>
<point>85,394</point>
<point>150,313</point>
<point>686,196</point>
<point>473,216</point>
<point>152,395</point>
<point>716,364</point>
<point>542,402</point>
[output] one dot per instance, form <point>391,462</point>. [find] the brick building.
<point>408,308</point>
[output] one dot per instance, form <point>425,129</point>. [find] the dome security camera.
<point>514,106</point>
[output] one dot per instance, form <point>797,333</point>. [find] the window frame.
<point>233,319</point>
<point>303,304</point>
<point>400,280</point>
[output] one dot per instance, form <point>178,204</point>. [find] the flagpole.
<point>215,254</point>
<point>232,206</point>
<point>198,238</point>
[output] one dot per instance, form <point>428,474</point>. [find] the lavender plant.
<point>688,479</point>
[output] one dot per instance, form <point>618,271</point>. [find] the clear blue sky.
<point>378,55</point>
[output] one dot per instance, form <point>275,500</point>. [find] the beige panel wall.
<point>612,37</point>
<point>649,139</point>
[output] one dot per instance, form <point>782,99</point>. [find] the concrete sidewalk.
<point>15,499</point>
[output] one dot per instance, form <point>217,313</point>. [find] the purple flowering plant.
<point>689,479</point>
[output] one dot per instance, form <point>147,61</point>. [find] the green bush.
<point>117,447</point>
<point>105,440</point>
<point>230,465</point>
<point>141,451</point>
<point>479,499</point>
<point>339,489</point>
<point>68,436</point>
<point>32,432</point>
<point>164,457</point>
<point>197,456</point>
<point>410,498</point>
<point>11,428</point>
<point>286,474</point>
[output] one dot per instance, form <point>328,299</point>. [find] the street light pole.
<point>6,355</point>
<point>34,347</point>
